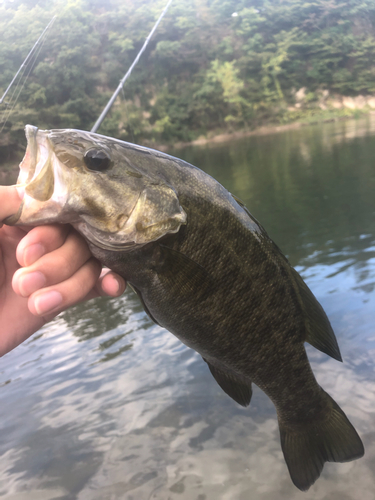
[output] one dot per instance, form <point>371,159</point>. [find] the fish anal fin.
<point>319,330</point>
<point>308,445</point>
<point>232,385</point>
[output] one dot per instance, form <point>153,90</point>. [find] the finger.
<point>110,284</point>
<point>41,240</point>
<point>48,302</point>
<point>52,268</point>
<point>10,201</point>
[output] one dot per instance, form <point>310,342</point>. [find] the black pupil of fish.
<point>96,160</point>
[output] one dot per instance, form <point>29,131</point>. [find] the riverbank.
<point>9,169</point>
<point>316,119</point>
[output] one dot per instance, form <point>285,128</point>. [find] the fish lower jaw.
<point>101,239</point>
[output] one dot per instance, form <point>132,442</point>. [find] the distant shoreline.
<point>228,136</point>
<point>262,130</point>
<point>8,175</point>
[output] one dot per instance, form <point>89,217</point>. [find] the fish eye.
<point>97,160</point>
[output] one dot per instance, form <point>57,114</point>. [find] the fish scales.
<point>237,321</point>
<point>204,269</point>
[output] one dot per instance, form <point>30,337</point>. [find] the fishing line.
<point>130,127</point>
<point>33,62</point>
<point>4,115</point>
<point>31,56</point>
<point>121,84</point>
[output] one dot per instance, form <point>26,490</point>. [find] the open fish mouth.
<point>38,177</point>
<point>84,179</point>
<point>28,167</point>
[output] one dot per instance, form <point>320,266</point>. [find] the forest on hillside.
<point>213,65</point>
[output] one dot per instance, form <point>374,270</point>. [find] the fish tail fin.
<point>306,446</point>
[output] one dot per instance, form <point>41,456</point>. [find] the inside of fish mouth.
<point>32,150</point>
<point>39,155</point>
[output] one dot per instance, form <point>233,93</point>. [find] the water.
<point>103,405</point>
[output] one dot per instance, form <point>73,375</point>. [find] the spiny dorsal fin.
<point>278,252</point>
<point>232,385</point>
<point>319,330</point>
<point>242,205</point>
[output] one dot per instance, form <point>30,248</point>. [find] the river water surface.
<point>102,404</point>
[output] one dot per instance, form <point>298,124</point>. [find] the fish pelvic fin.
<point>307,446</point>
<point>319,330</point>
<point>233,385</point>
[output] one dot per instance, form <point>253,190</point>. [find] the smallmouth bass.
<point>204,269</point>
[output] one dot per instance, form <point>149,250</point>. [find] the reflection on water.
<point>103,404</point>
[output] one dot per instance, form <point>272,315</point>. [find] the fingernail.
<point>30,282</point>
<point>46,302</point>
<point>32,253</point>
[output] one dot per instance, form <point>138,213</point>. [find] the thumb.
<point>10,200</point>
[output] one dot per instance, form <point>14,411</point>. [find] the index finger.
<point>10,201</point>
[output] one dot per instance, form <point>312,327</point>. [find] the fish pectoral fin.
<point>184,275</point>
<point>319,330</point>
<point>232,385</point>
<point>307,445</point>
<point>147,311</point>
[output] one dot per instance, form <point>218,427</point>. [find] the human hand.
<point>43,271</point>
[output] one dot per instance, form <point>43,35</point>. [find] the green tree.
<point>212,64</point>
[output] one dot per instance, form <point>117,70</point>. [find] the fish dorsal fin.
<point>232,385</point>
<point>319,330</point>
<point>251,216</point>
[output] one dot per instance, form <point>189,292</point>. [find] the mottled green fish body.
<point>204,269</point>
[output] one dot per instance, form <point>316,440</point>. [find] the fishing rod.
<point>99,121</point>
<point>23,65</point>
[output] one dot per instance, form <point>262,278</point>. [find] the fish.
<point>205,269</point>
